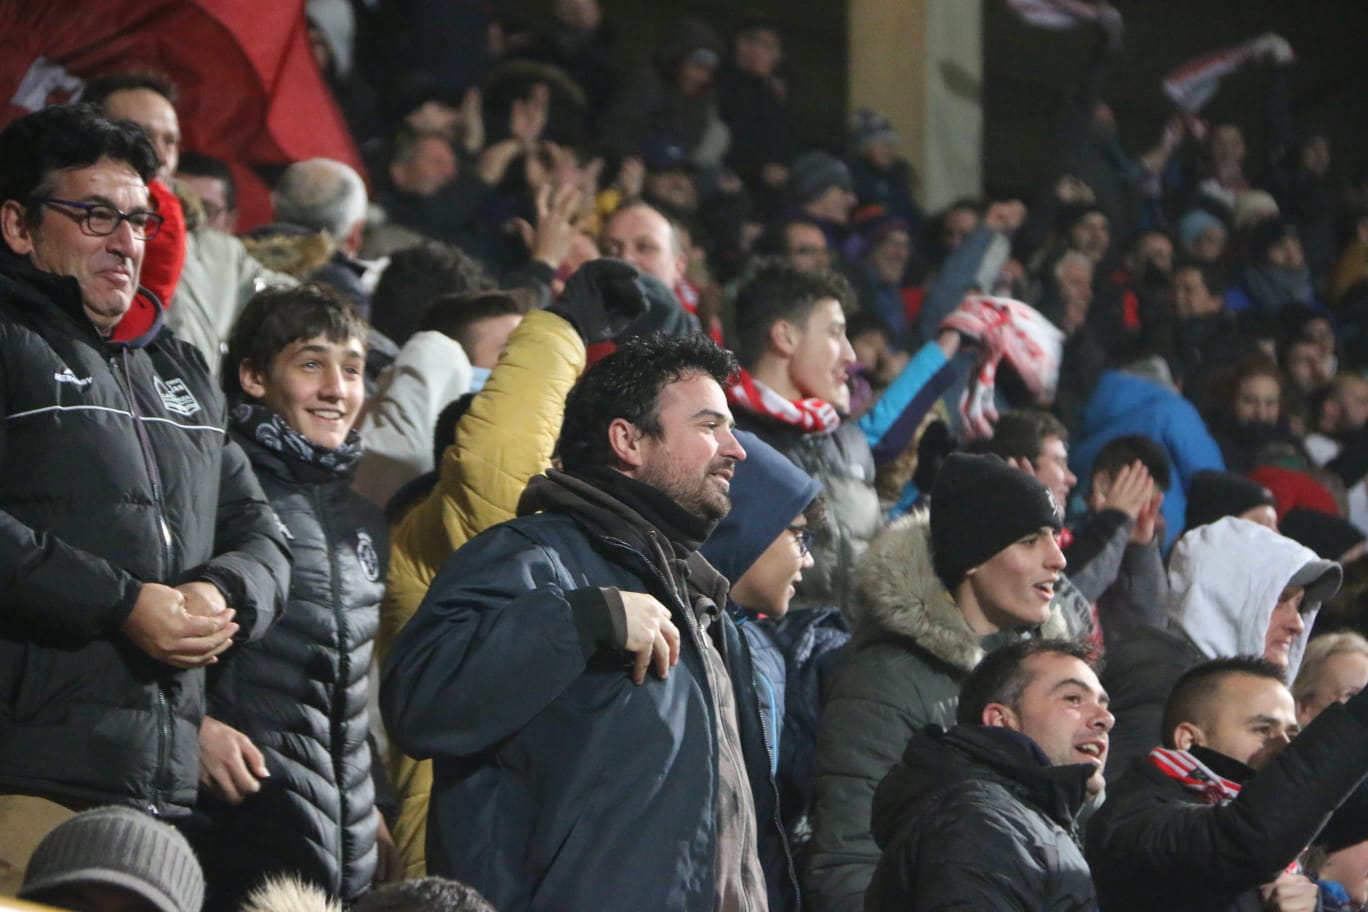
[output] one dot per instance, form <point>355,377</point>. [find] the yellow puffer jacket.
<point>503,440</point>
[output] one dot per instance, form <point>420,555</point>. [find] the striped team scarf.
<point>808,415</point>
<point>1195,776</point>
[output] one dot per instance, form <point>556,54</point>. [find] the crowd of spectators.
<point>1046,528</point>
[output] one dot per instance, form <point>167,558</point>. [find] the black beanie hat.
<point>980,505</point>
<point>1213,494</point>
<point>1329,536</point>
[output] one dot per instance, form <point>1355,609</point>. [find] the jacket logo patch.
<point>283,529</point>
<point>66,376</point>
<point>366,556</point>
<point>176,396</point>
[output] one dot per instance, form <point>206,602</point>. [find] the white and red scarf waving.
<point>1195,775</point>
<point>1193,84</point>
<point>1055,14</point>
<point>808,415</point>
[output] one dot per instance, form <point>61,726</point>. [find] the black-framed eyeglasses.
<point>803,537</point>
<point>101,220</point>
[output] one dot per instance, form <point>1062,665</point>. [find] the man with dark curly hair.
<point>570,671</point>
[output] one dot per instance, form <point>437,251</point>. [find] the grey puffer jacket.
<point>301,693</point>
<point>842,462</point>
<point>911,651</point>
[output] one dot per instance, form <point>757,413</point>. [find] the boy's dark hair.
<point>1191,696</point>
<point>1020,434</point>
<point>774,240</point>
<point>456,314</point>
<point>779,292</point>
<point>98,90</point>
<point>444,431</point>
<point>627,384</point>
<point>1124,450</point>
<point>197,164</point>
<point>426,894</point>
<point>1213,276</point>
<point>275,317</point>
<point>62,137</point>
<point>1002,675</point>
<point>414,277</point>
<point>817,513</point>
<point>867,321</point>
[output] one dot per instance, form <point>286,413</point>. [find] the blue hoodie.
<point>767,493</point>
<point>1126,404</point>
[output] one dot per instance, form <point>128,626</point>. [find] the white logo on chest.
<point>176,396</point>
<point>366,556</point>
<point>65,375</point>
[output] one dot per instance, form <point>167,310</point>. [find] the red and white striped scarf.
<point>809,415</point>
<point>1195,775</point>
<point>1055,14</point>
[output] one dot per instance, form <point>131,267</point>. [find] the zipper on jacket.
<point>149,461</point>
<point>337,699</point>
<point>165,729</point>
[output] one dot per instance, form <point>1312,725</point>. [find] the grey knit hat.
<point>118,847</point>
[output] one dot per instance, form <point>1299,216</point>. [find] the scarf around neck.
<point>264,426</point>
<point>808,415</point>
<point>1195,775</point>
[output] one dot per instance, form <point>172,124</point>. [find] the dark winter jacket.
<point>558,783</point>
<point>977,818</point>
<point>912,650</point>
<point>115,471</point>
<point>841,461</point>
<point>300,693</point>
<point>1152,845</point>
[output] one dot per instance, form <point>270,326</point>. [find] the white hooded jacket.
<point>1225,579</point>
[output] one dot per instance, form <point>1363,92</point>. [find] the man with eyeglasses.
<point>135,544</point>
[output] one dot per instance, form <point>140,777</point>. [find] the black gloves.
<point>601,299</point>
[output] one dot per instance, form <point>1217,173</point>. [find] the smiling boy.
<point>286,768</point>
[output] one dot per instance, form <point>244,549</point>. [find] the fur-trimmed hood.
<point>901,596</point>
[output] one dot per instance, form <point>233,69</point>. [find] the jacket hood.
<point>767,493</point>
<point>1118,393</point>
<point>938,758</point>
<point>901,596</point>
<point>1225,579</point>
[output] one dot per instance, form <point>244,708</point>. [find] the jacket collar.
<point>137,329</point>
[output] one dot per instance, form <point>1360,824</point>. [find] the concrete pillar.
<point>920,62</point>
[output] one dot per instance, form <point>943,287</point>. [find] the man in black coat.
<point>572,672</point>
<point>982,816</point>
<point>1193,826</point>
<point>135,544</point>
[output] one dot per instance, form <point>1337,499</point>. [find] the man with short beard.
<point>570,671</point>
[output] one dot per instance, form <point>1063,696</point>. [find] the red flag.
<point>250,92</point>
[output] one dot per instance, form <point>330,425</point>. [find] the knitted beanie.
<point>118,847</point>
<point>867,127</point>
<point>1193,223</point>
<point>1326,534</point>
<point>815,172</point>
<point>1213,494</point>
<point>979,506</point>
